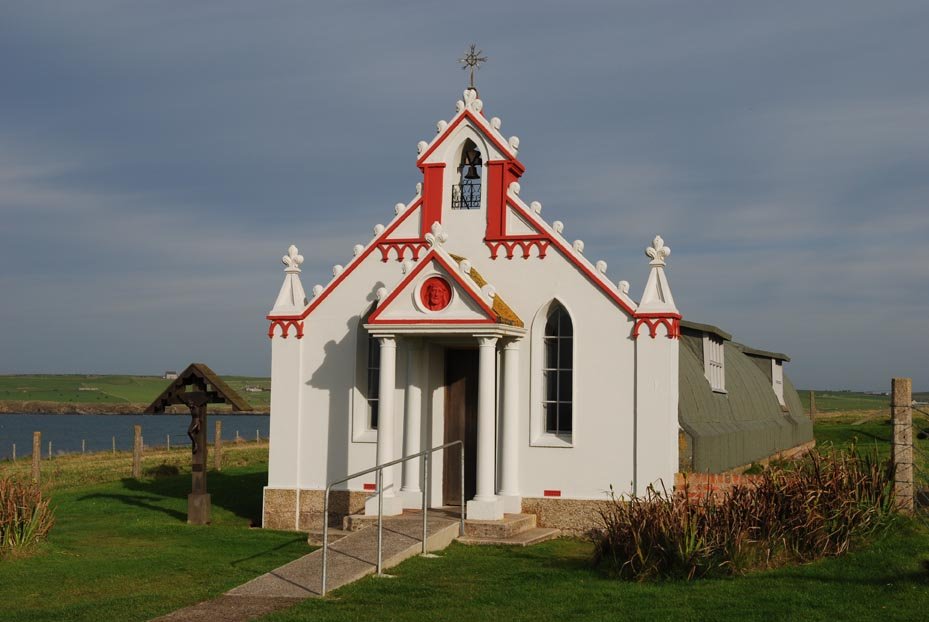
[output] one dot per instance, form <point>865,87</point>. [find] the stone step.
<point>315,536</point>
<point>510,526</point>
<point>354,522</point>
<point>524,538</point>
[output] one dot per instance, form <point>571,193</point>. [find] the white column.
<point>385,427</point>
<point>486,505</point>
<point>509,435</point>
<point>412,437</point>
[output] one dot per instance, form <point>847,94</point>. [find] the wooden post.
<point>218,446</point>
<point>137,452</point>
<point>83,445</point>
<point>36,456</point>
<point>198,501</point>
<point>114,445</point>
<point>901,413</point>
<point>14,452</point>
<point>168,441</point>
<point>257,436</point>
<point>49,450</point>
<point>812,405</point>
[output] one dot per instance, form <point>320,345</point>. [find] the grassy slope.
<point>110,389</point>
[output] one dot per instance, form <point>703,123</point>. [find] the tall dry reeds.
<point>815,507</point>
<point>25,517</point>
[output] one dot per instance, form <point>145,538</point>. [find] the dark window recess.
<point>557,376</point>
<point>374,380</point>
<point>466,194</point>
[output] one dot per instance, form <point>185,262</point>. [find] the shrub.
<point>812,508</point>
<point>25,517</point>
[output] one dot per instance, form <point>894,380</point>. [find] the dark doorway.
<point>461,370</point>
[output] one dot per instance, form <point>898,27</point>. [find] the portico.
<point>495,346</point>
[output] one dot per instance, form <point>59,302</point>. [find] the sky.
<point>156,160</point>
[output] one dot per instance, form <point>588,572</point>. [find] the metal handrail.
<point>424,481</point>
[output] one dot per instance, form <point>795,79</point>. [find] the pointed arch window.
<point>466,194</point>
<point>374,380</point>
<point>557,372</point>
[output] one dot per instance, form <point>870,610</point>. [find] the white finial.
<point>459,106</point>
<point>558,226</point>
<point>357,249</point>
<point>658,252</point>
<point>292,260</point>
<point>515,187</point>
<point>624,287</point>
<point>419,188</point>
<point>579,246</point>
<point>536,207</point>
<point>317,290</point>
<point>437,235</point>
<point>440,126</point>
<point>489,290</point>
<point>496,123</point>
<point>406,266</point>
<point>421,147</point>
<point>381,293</point>
<point>399,207</point>
<point>465,266</point>
<point>337,269</point>
<point>514,143</point>
<point>378,229</point>
<point>601,267</point>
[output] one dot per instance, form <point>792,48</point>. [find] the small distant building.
<point>169,375</point>
<point>253,389</point>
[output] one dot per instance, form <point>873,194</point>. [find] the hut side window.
<point>374,380</point>
<point>714,362</point>
<point>777,380</point>
<point>466,194</point>
<point>557,376</point>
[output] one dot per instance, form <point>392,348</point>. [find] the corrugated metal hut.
<point>736,404</point>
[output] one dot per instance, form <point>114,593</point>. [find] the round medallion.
<point>435,293</point>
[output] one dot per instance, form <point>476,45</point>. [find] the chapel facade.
<point>471,317</point>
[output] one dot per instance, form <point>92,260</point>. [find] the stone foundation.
<point>280,508</point>
<point>574,517</point>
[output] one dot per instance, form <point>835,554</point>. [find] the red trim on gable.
<point>351,267</point>
<point>401,322</point>
<point>452,272</point>
<point>433,182</point>
<point>285,328</point>
<point>415,246</point>
<point>451,128</point>
<point>671,321</point>
<point>526,243</point>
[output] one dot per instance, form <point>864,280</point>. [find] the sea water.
<point>97,431</point>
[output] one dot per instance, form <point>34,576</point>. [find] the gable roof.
<point>213,388</point>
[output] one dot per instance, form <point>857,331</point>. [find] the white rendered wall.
<point>656,410</point>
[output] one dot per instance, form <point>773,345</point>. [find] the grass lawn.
<point>123,550</point>
<point>554,581</point>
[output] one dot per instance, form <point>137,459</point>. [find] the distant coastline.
<point>43,407</point>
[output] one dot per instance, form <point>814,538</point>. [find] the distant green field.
<point>90,389</point>
<point>840,401</point>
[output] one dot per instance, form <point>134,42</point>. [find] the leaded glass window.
<point>557,372</point>
<point>374,380</point>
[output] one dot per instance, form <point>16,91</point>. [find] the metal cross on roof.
<point>472,60</point>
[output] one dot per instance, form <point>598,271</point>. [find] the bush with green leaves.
<point>815,507</point>
<point>25,516</point>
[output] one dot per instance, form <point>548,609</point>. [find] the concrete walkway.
<point>350,559</point>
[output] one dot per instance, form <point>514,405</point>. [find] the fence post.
<point>83,445</point>
<point>218,446</point>
<point>168,439</point>
<point>257,436</point>
<point>36,456</point>
<point>14,452</point>
<point>137,452</point>
<point>114,445</point>
<point>812,405</point>
<point>901,413</point>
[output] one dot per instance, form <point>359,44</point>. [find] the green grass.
<point>123,550</point>
<point>109,389</point>
<point>555,581</point>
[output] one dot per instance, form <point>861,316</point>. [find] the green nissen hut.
<point>736,404</point>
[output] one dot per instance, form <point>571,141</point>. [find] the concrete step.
<point>355,522</point>
<point>315,537</point>
<point>523,538</point>
<point>510,526</point>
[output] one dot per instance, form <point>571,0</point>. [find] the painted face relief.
<point>435,294</point>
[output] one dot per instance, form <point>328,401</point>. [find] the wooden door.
<point>461,368</point>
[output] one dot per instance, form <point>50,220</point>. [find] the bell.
<point>472,173</point>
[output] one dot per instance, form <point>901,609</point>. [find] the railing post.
<point>380,517</point>
<point>461,530</point>
<point>322,591</point>
<point>422,486</point>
